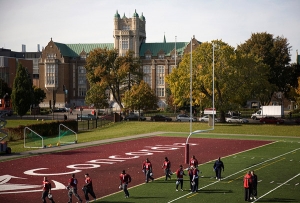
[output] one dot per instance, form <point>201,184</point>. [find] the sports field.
<point>275,160</point>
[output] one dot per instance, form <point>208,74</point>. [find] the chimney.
<point>23,48</point>
<point>38,48</point>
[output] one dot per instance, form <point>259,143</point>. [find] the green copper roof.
<point>73,50</point>
<point>167,47</point>
<point>135,15</point>
<point>117,15</point>
<point>142,17</point>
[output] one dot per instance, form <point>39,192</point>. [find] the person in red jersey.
<point>195,180</point>
<point>147,168</point>
<point>47,191</point>
<point>179,174</point>
<point>194,161</point>
<point>72,187</point>
<point>167,168</point>
<point>247,185</point>
<point>88,188</point>
<point>190,172</point>
<point>124,180</point>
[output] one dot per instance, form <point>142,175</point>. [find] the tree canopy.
<point>107,70</point>
<point>38,95</point>
<point>235,76</point>
<point>22,93</point>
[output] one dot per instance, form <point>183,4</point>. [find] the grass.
<point>276,164</point>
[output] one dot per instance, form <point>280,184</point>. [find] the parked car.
<point>59,110</point>
<point>160,118</point>
<point>271,120</point>
<point>236,119</point>
<point>107,117</point>
<point>206,119</point>
<point>86,117</point>
<point>134,117</point>
<point>297,121</point>
<point>184,117</point>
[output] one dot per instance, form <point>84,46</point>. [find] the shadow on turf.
<point>215,191</point>
<point>133,198</point>
<point>277,200</point>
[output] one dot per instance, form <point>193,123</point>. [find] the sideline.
<point>277,187</point>
<point>240,172</point>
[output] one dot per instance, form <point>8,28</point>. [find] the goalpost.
<point>32,139</point>
<point>187,147</point>
<point>66,135</point>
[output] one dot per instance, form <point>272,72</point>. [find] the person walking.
<point>195,180</point>
<point>125,179</point>
<point>254,186</point>
<point>88,188</point>
<point>71,111</point>
<point>147,167</point>
<point>190,172</point>
<point>179,174</point>
<point>72,187</point>
<point>247,185</point>
<point>167,168</point>
<point>218,167</point>
<point>193,161</point>
<point>47,191</point>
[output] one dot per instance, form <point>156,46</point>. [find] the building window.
<point>147,75</point>
<point>160,92</point>
<point>161,56</point>
<point>51,74</point>
<point>160,75</point>
<point>148,56</point>
<point>126,27</point>
<point>172,68</point>
<point>81,92</point>
<point>125,43</point>
<point>82,84</point>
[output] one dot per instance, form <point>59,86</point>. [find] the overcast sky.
<point>33,22</point>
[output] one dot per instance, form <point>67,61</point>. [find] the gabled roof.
<point>74,50</point>
<point>167,47</point>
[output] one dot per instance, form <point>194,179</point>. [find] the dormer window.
<point>161,56</point>
<point>148,56</point>
<point>83,57</point>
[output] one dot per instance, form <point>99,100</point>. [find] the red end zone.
<point>21,180</point>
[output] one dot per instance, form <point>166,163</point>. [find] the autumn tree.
<point>22,93</point>
<point>140,96</point>
<point>274,52</point>
<point>235,77</point>
<point>96,95</point>
<point>106,69</point>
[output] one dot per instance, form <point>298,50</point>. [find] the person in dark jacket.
<point>254,186</point>
<point>88,188</point>
<point>218,167</point>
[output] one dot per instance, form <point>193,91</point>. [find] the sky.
<point>33,22</point>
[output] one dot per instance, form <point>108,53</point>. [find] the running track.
<point>21,179</point>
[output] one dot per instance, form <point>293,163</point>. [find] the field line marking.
<point>236,173</point>
<point>277,187</point>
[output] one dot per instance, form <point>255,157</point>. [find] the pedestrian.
<point>179,174</point>
<point>190,172</point>
<point>195,180</point>
<point>194,161</point>
<point>247,185</point>
<point>218,167</point>
<point>147,167</point>
<point>47,191</point>
<point>125,179</point>
<point>88,188</point>
<point>254,186</point>
<point>65,117</point>
<point>71,111</point>
<point>167,168</point>
<point>72,187</point>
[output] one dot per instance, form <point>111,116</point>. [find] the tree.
<point>38,95</point>
<point>111,71</point>
<point>4,88</point>
<point>140,96</point>
<point>235,77</point>
<point>274,52</point>
<point>22,94</point>
<point>96,95</point>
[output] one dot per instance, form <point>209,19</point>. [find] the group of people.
<point>250,185</point>
<point>72,189</point>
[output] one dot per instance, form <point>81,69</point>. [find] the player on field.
<point>194,161</point>
<point>179,174</point>
<point>218,166</point>
<point>195,180</point>
<point>88,188</point>
<point>72,187</point>
<point>167,168</point>
<point>147,168</point>
<point>124,180</point>
<point>47,191</point>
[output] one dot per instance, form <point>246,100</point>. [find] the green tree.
<point>116,73</point>
<point>38,95</point>
<point>96,95</point>
<point>235,77</point>
<point>140,96</point>
<point>22,94</point>
<point>274,52</point>
<point>4,88</point>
